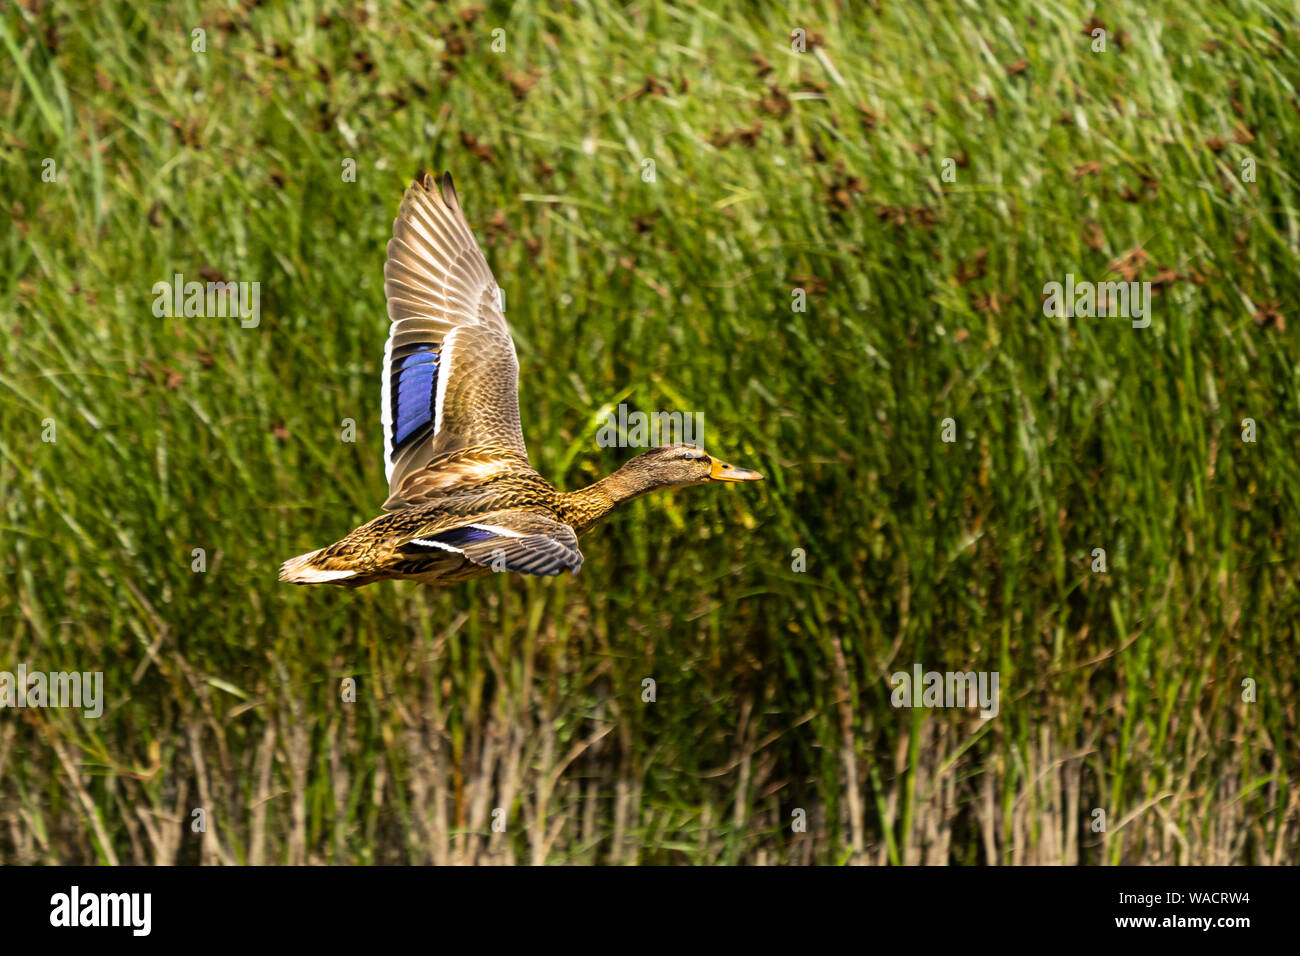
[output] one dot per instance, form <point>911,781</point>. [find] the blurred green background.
<point>519,701</point>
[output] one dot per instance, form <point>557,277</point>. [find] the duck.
<point>463,499</point>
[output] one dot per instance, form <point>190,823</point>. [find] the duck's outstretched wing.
<point>451,380</point>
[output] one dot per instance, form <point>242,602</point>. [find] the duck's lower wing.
<point>524,542</point>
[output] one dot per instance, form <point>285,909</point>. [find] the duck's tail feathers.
<point>303,570</point>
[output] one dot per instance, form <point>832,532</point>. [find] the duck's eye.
<point>693,454</point>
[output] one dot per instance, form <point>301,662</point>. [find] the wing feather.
<point>516,541</point>
<point>451,377</point>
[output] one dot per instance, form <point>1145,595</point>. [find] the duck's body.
<point>463,499</point>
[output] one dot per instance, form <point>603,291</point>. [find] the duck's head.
<point>673,465</point>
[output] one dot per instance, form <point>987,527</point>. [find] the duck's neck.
<point>586,506</point>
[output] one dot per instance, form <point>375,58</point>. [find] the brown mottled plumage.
<point>463,500</point>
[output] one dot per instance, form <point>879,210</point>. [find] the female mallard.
<point>463,500</point>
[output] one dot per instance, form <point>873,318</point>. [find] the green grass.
<point>774,170</point>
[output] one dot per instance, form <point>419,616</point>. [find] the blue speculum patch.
<point>415,382</point>
<point>457,537</point>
